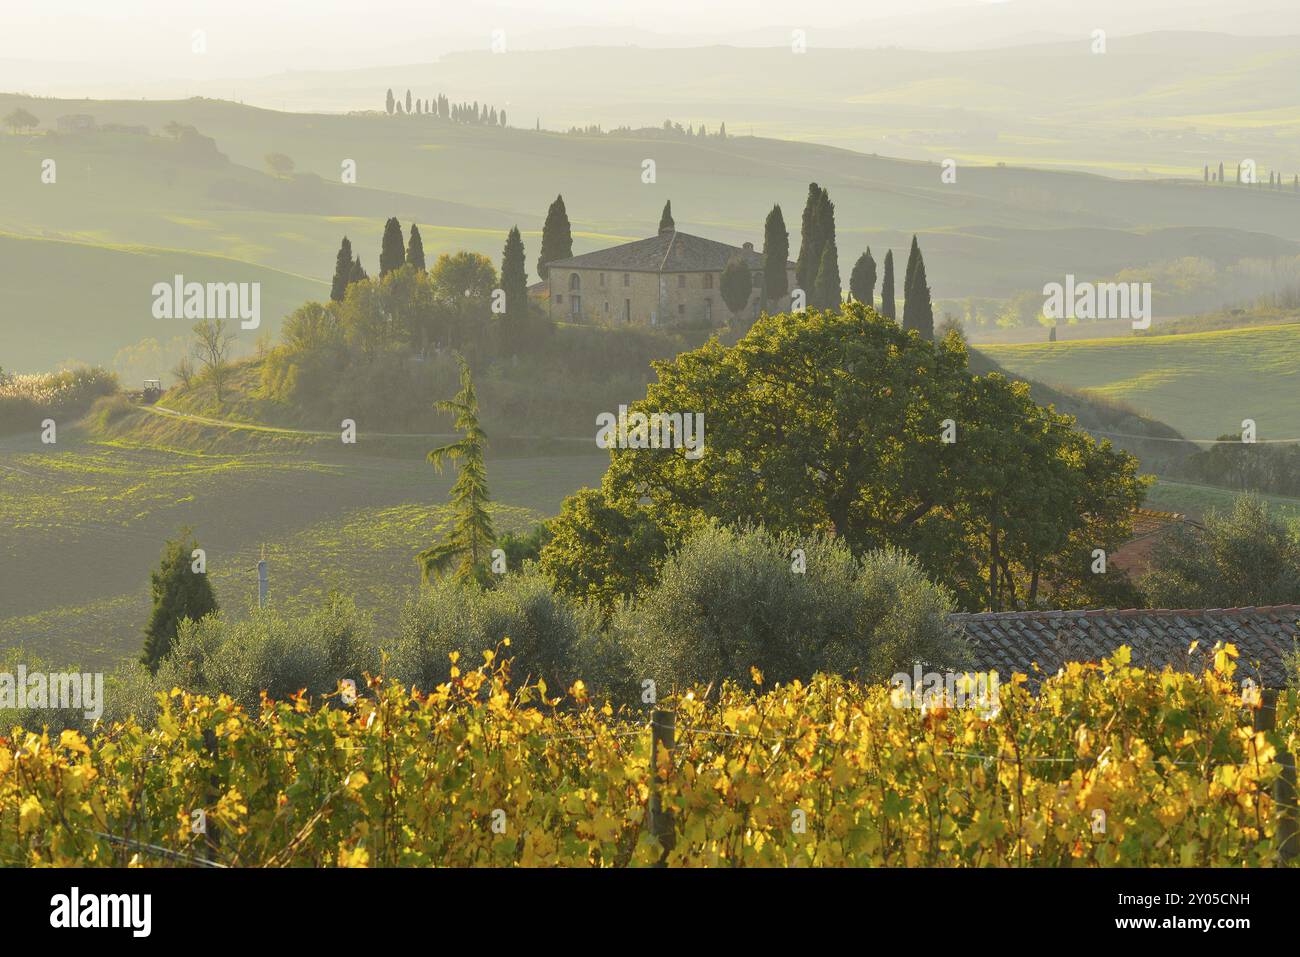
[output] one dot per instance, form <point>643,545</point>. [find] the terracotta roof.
<point>1014,641</point>
<point>670,251</point>
<point>1150,527</point>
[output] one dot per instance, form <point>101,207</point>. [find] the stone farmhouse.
<point>673,277</point>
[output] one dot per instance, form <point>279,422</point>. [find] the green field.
<point>85,522</point>
<point>1203,384</point>
<point>1196,500</point>
<point>48,320</point>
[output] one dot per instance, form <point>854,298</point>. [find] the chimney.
<point>667,229</point>
<point>749,247</point>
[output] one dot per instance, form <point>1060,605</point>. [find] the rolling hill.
<point>68,302</point>
<point>996,232</point>
<point>1203,384</point>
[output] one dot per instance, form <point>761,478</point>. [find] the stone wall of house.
<point>644,298</point>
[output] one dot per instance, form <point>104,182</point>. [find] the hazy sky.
<point>353,32</point>
<point>53,46</point>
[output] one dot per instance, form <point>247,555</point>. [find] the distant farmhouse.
<point>669,278</point>
<point>75,123</point>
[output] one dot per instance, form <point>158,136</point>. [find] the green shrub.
<point>551,636</point>
<point>1247,556</point>
<point>730,600</point>
<point>271,652</point>
<point>27,399</point>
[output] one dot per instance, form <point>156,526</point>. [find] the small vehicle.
<point>152,391</point>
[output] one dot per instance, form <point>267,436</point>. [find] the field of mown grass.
<point>1195,500</point>
<point>1203,384</point>
<point>82,524</point>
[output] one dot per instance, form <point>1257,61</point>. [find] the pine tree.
<point>557,237</point>
<point>342,271</point>
<point>389,102</point>
<point>862,281</point>
<point>887,287</point>
<point>918,310</point>
<point>392,255</point>
<point>415,249</point>
<point>776,253</point>
<point>666,220</point>
<point>472,535</point>
<point>514,277</point>
<point>179,592</point>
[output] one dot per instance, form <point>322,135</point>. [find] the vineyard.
<point>1104,765</point>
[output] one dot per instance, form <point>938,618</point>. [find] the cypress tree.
<point>408,101</point>
<point>342,271</point>
<point>827,286</point>
<point>415,249</point>
<point>776,253</point>
<point>358,273</point>
<point>887,287</point>
<point>389,102</point>
<point>862,281</point>
<point>1220,171</point>
<point>810,242</point>
<point>666,220</point>
<point>514,277</point>
<point>392,255</point>
<point>829,293</point>
<point>918,310</point>
<point>557,237</point>
<point>913,255</point>
<point>179,592</point>
<point>472,534</point>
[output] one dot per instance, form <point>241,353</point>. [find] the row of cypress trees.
<point>817,269</point>
<point>395,252</point>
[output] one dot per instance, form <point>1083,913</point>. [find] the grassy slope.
<point>1203,384</point>
<point>68,301</point>
<point>84,523</point>
<point>1196,500</point>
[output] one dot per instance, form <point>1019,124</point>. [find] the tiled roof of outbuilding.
<point>1014,641</point>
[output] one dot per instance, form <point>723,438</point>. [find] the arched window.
<point>575,282</point>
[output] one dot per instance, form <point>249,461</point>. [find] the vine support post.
<point>1286,827</point>
<point>663,733</point>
